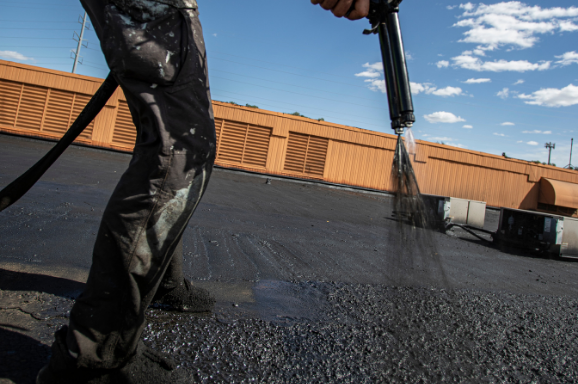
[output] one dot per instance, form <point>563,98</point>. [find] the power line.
<point>91,62</point>
<point>38,21</point>
<point>33,7</point>
<point>293,85</point>
<point>33,46</point>
<point>284,65</point>
<point>300,94</point>
<point>41,29</point>
<point>285,103</point>
<point>33,38</point>
<point>500,105</point>
<point>352,123</point>
<point>357,97</point>
<point>290,73</point>
<point>27,3</point>
<point>525,84</point>
<point>92,66</point>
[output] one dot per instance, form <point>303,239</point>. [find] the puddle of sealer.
<point>284,302</point>
<point>280,302</point>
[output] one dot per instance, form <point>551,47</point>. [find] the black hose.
<point>21,185</point>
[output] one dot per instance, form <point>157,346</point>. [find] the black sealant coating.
<point>311,285</point>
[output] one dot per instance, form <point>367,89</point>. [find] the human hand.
<point>341,7</point>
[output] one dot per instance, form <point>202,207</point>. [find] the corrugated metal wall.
<point>39,102</point>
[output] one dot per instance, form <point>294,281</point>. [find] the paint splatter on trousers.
<point>160,64</point>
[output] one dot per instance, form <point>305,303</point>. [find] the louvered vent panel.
<point>257,146</point>
<point>31,107</point>
<point>80,102</point>
<point>9,96</point>
<point>232,142</point>
<point>124,129</point>
<point>316,155</point>
<point>306,154</point>
<point>296,152</point>
<point>57,117</point>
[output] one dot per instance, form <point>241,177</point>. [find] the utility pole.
<point>80,39</point>
<point>570,166</point>
<point>550,147</point>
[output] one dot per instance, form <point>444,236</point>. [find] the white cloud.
<point>456,145</point>
<point>552,97</point>
<point>568,58</point>
<point>467,61</point>
<point>512,23</point>
<point>507,123</point>
<point>378,66</point>
<point>373,72</point>
<point>504,93</point>
<point>519,82</point>
<point>368,74</point>
<point>376,85</point>
<point>477,81</point>
<point>532,143</point>
<point>450,7</point>
<point>443,117</point>
<point>12,55</point>
<point>448,91</point>
<point>568,26</point>
<point>468,127</point>
<point>443,64</point>
<point>214,34</point>
<point>408,56</point>
<point>499,134</point>
<point>520,141</point>
<point>417,88</point>
<point>538,132</point>
<point>430,89</point>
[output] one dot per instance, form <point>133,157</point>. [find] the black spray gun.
<point>384,19</point>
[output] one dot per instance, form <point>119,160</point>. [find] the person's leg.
<point>157,195</point>
<point>174,275</point>
<point>176,293</point>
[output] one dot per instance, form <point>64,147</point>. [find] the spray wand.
<point>384,19</point>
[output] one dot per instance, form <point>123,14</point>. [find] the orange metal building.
<point>43,103</point>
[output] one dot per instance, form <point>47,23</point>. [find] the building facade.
<point>43,103</point>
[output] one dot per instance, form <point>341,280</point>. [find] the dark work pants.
<point>161,67</point>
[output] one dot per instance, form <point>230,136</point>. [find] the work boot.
<point>184,298</point>
<point>146,366</point>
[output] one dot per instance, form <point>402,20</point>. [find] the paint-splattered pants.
<point>161,66</point>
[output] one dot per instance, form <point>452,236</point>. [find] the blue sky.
<point>493,77</point>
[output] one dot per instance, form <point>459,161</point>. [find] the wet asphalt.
<point>314,284</point>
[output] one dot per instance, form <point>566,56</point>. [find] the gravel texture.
<point>312,285</point>
<point>383,334</point>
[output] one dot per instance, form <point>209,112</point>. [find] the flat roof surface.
<point>313,283</point>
